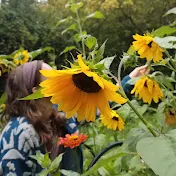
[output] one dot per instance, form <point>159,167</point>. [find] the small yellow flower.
<point>170,117</point>
<point>147,48</point>
<point>114,123</point>
<point>147,89</point>
<point>80,91</point>
<point>21,58</point>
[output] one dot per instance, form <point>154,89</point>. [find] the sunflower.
<point>147,89</point>
<point>170,117</point>
<point>73,140</point>
<point>147,48</point>
<point>21,58</point>
<point>113,123</point>
<point>80,91</point>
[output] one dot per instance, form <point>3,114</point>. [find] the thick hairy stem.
<point>80,30</point>
<point>122,92</point>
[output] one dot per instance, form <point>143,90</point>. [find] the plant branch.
<point>80,30</point>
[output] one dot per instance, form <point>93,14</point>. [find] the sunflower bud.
<point>170,117</point>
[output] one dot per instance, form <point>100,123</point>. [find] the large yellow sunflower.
<point>21,58</point>
<point>147,89</point>
<point>80,91</point>
<point>114,123</point>
<point>147,48</point>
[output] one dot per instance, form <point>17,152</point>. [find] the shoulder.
<point>19,134</point>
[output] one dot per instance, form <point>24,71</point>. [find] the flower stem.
<point>122,92</point>
<point>77,160</point>
<point>142,119</point>
<point>80,30</point>
<point>172,64</point>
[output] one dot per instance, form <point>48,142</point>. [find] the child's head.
<point>23,81</point>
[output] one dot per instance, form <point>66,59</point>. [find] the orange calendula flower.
<point>147,89</point>
<point>73,140</point>
<point>147,48</point>
<point>113,123</point>
<point>80,91</point>
<point>21,58</point>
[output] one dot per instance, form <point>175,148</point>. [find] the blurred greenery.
<point>32,24</point>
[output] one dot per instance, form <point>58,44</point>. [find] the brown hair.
<point>19,84</point>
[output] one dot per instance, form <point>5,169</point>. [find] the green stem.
<point>142,119</point>
<point>122,92</point>
<point>80,30</point>
<point>77,160</point>
<point>171,66</point>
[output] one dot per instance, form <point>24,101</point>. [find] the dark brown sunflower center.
<point>115,118</point>
<point>150,44</point>
<point>85,83</point>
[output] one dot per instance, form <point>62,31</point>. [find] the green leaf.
<point>171,11</point>
<point>55,164</point>
<point>43,160</point>
<point>101,49</point>
<point>159,153</point>
<point>167,81</point>
<point>63,21</point>
<point>104,161</point>
<point>45,172</point>
<point>78,37</point>
<point>40,51</point>
<point>107,62</point>
<point>134,135</point>
<point>34,96</point>
<point>67,49</point>
<point>124,111</point>
<point>136,163</point>
<point>166,42</point>
<point>90,42</point>
<point>96,14</point>
<point>46,161</point>
<point>75,7</point>
<point>164,30</point>
<point>103,172</point>
<point>3,99</point>
<point>72,27</point>
<point>69,173</point>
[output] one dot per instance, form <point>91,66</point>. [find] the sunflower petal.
<point>81,63</point>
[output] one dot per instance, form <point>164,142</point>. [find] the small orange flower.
<point>73,140</point>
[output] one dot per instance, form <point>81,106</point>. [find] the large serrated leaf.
<point>164,30</point>
<point>159,153</point>
<point>166,42</point>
